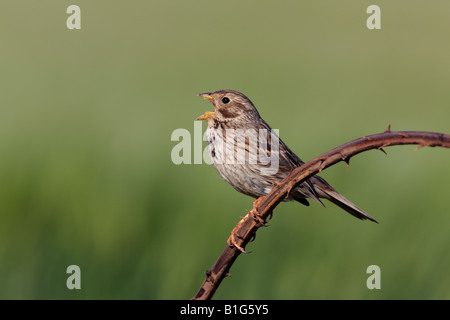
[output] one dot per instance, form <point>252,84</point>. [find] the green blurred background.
<point>86,118</point>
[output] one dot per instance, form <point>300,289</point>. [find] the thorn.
<point>418,147</point>
<point>228,274</point>
<point>381,148</point>
<point>322,160</point>
<point>253,237</point>
<point>388,129</point>
<point>347,161</point>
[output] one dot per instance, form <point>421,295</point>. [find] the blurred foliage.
<point>86,118</point>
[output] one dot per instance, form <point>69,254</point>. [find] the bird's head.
<point>229,105</point>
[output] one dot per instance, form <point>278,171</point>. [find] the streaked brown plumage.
<point>236,116</point>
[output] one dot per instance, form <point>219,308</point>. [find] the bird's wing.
<point>288,160</point>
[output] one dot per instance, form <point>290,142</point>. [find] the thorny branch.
<point>264,206</point>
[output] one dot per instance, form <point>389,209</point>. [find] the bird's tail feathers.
<point>348,206</point>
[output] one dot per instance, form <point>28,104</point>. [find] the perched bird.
<point>239,144</point>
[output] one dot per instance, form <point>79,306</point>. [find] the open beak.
<point>207,114</point>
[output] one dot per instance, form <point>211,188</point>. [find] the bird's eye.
<point>225,100</point>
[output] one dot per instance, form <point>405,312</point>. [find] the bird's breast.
<point>236,156</point>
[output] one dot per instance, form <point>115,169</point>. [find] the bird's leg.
<point>255,215</point>
<point>232,240</point>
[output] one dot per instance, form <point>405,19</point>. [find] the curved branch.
<point>263,206</point>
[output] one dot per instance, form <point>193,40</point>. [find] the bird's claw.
<point>233,243</point>
<point>255,216</point>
